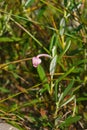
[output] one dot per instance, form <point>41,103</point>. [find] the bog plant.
<point>43,64</point>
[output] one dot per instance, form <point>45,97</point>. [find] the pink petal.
<point>36,61</point>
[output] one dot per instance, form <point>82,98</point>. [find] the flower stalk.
<point>36,60</point>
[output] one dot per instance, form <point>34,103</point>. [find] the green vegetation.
<point>53,95</point>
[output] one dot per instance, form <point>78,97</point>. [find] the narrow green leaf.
<point>52,43</point>
<point>64,75</point>
<point>66,91</point>
<point>41,12</point>
<point>53,65</point>
<point>81,99</point>
<point>62,25</point>
<point>65,50</point>
<point>70,120</point>
<point>4,90</point>
<point>7,39</point>
<point>62,54</point>
<point>66,102</point>
<point>29,2</point>
<point>81,62</point>
<point>54,51</point>
<point>43,77</point>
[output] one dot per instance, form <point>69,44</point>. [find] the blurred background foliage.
<point>43,98</point>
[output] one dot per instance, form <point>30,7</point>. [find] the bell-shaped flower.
<point>36,60</point>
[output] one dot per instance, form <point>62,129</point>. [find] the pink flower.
<point>36,60</point>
